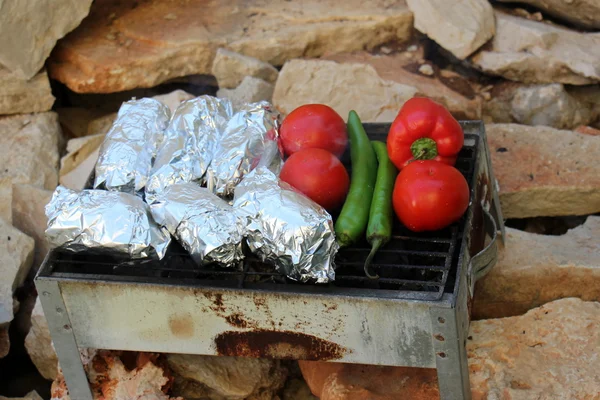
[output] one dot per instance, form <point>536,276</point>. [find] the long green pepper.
<point>352,221</point>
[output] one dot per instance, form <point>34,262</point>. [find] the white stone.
<point>250,90</point>
<point>22,96</point>
<point>230,69</point>
<point>39,346</point>
<point>6,200</point>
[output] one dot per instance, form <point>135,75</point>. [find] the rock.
<point>80,160</point>
<point>230,69</point>
<point>29,149</point>
<point>297,389</point>
<point>536,52</point>
<point>446,87</point>
<point>33,395</point>
<point>544,104</point>
<point>16,256</point>
<point>544,171</point>
<point>6,200</point>
<point>28,203</point>
<point>461,28</point>
<point>561,266</point>
<point>228,377</point>
<point>101,125</point>
<point>174,99</point>
<point>549,353</point>
<point>40,23</point>
<point>583,13</point>
<point>4,341</point>
<point>118,46</point>
<point>588,130</point>
<point>250,91</point>
<point>342,86</point>
<point>22,96</point>
<point>74,121</point>
<point>38,344</point>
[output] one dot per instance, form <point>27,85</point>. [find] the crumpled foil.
<point>242,145</point>
<point>102,220</point>
<point>127,153</point>
<point>190,139</point>
<point>205,225</point>
<point>286,228</point>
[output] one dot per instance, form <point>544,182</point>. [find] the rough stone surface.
<point>249,91</point>
<point>582,13</point>
<point>16,256</point>
<point>459,27</point>
<point>230,69</point>
<point>297,389</point>
<point>544,171</point>
<point>544,104</point>
<point>319,81</point>
<point>74,121</point>
<point>561,266</point>
<point>40,24</point>
<point>174,98</point>
<point>6,200</point>
<point>4,340</point>
<point>79,150</point>
<point>405,67</point>
<point>22,96</point>
<point>29,149</point>
<point>29,217</point>
<point>33,395</point>
<point>38,344</point>
<point>536,52</point>
<point>228,378</point>
<point>118,47</point>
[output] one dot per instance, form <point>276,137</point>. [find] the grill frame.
<point>80,296</point>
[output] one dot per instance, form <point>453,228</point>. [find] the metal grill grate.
<point>412,265</point>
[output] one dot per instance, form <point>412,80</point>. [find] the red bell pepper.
<point>424,130</point>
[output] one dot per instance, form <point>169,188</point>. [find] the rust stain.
<point>237,320</point>
<point>277,344</point>
<point>217,300</point>
<point>182,326</point>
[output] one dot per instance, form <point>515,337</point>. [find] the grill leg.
<point>63,339</point>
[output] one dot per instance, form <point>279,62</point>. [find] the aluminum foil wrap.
<point>127,153</point>
<point>242,145</point>
<point>102,220</point>
<point>286,228</point>
<point>190,139</point>
<point>204,224</point>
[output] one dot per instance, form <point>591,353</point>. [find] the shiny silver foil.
<point>204,224</point>
<point>127,153</point>
<point>286,228</point>
<point>241,146</point>
<point>102,220</point>
<point>190,139</point>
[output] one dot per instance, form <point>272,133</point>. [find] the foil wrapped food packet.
<point>99,220</point>
<point>204,224</point>
<point>286,228</point>
<point>242,145</point>
<point>189,143</point>
<point>129,148</point>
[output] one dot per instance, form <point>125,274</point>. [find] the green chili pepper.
<point>352,221</point>
<point>379,230</point>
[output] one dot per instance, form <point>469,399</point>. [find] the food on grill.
<point>130,146</point>
<point>379,229</point>
<point>429,195</point>
<point>100,220</point>
<point>205,225</point>
<point>424,130</point>
<point>319,175</point>
<point>352,221</point>
<point>314,126</point>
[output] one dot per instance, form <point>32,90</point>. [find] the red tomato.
<point>429,195</point>
<point>314,126</point>
<point>319,175</point>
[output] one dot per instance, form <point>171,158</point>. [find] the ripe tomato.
<point>429,195</point>
<point>319,175</point>
<point>314,126</point>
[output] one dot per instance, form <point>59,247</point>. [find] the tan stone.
<point>543,171</point>
<point>29,217</point>
<point>230,69</point>
<point>75,120</point>
<point>101,125</point>
<point>343,87</point>
<point>249,91</point>
<point>228,378</point>
<point>174,98</point>
<point>588,130</point>
<point>33,395</point>
<point>21,96</point>
<point>38,344</point>
<point>446,87</point>
<point>4,340</point>
<point>297,389</point>
<point>78,150</point>
<point>583,13</point>
<point>536,269</point>
<point>459,27</point>
<point>536,52</point>
<point>6,200</point>
<point>29,149</point>
<point>118,47</point>
<point>39,24</point>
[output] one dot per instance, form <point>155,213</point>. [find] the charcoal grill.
<point>416,314</point>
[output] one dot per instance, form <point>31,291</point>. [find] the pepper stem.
<point>375,246</point>
<point>424,149</point>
